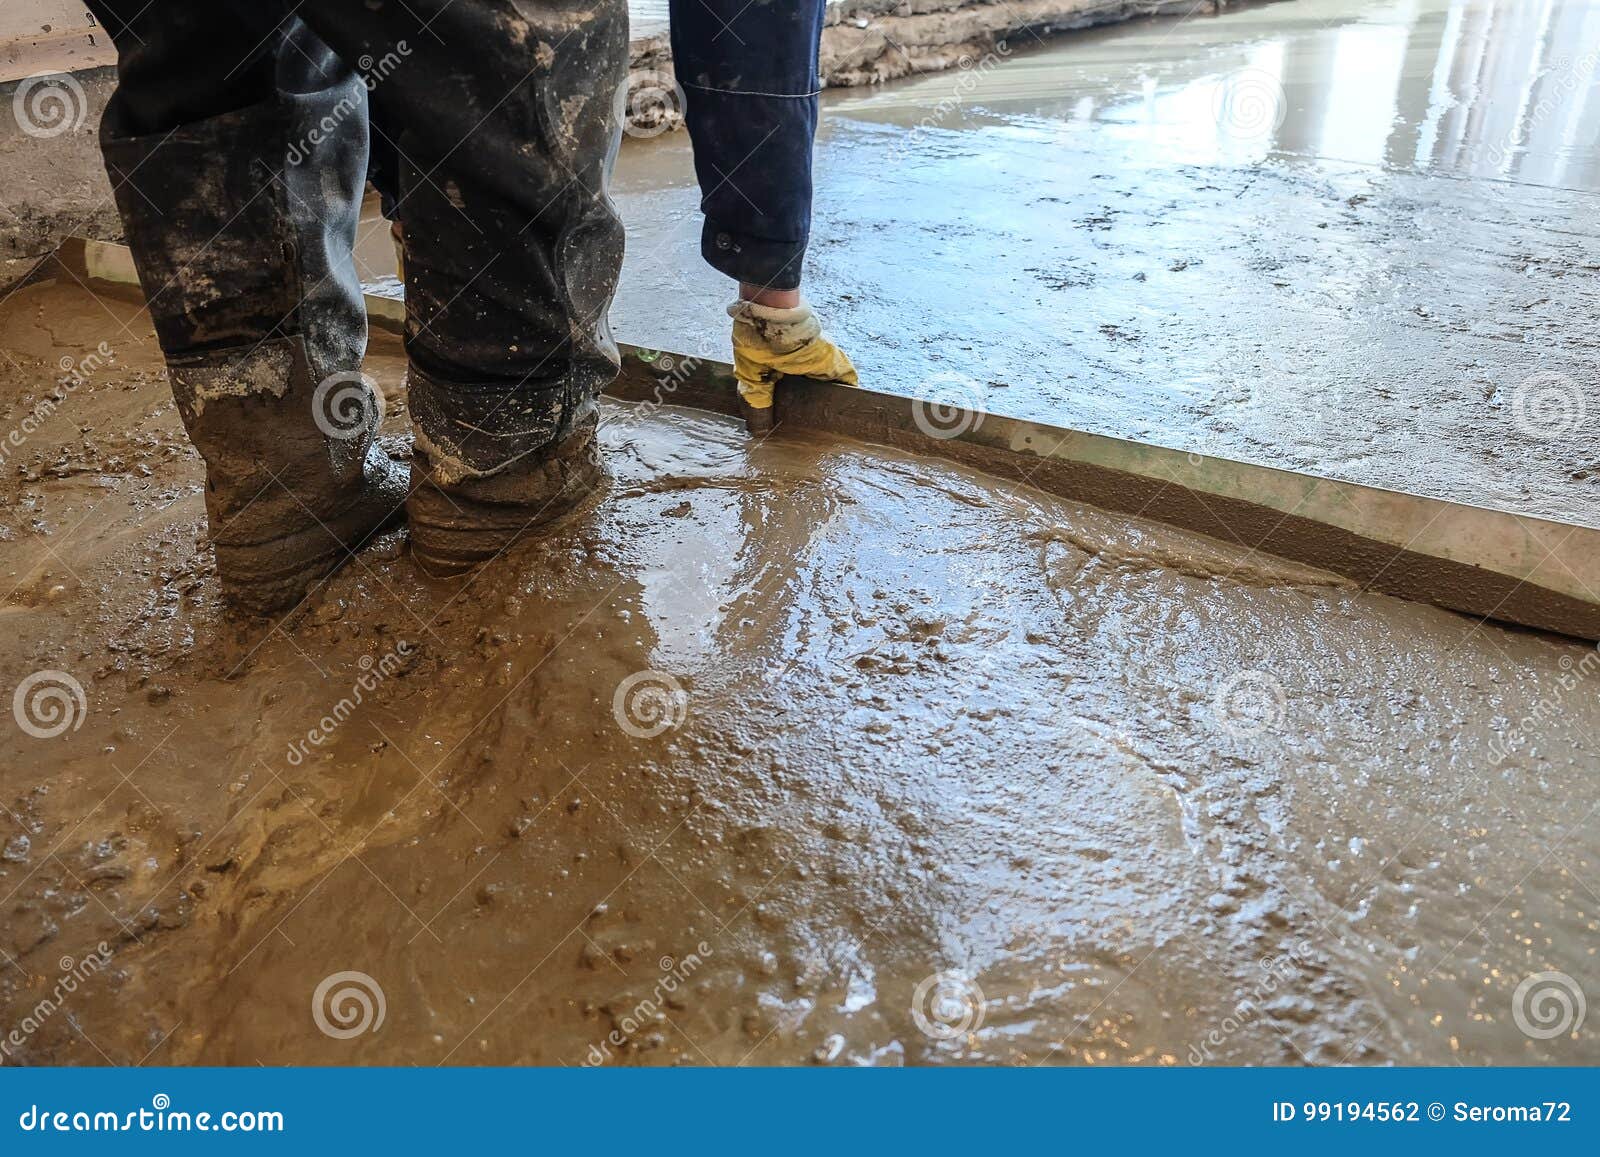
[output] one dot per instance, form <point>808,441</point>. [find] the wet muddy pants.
<point>747,76</point>
<point>237,145</point>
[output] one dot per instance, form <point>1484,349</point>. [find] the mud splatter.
<point>799,751</point>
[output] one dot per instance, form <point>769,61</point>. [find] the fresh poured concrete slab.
<point>646,18</point>
<point>778,752</point>
<point>1489,563</point>
<point>1353,239</point>
<point>1277,387</point>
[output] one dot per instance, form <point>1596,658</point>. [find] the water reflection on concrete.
<point>1483,88</point>
<point>1351,238</point>
<point>647,17</point>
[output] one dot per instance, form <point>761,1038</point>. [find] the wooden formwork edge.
<point>1535,572</point>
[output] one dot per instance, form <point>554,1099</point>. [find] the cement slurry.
<point>789,752</point>
<point>1354,238</point>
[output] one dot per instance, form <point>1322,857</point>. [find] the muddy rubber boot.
<point>241,226</point>
<point>487,469</point>
<point>294,483</point>
<point>512,251</point>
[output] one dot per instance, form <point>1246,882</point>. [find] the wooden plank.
<point>1491,563</point>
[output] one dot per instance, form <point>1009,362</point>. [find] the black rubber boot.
<point>506,321</point>
<point>502,121</point>
<point>758,420</point>
<point>483,474</point>
<point>294,484</point>
<point>241,226</point>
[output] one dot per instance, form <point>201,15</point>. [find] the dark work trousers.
<point>237,142</point>
<point>748,72</point>
<point>749,78</point>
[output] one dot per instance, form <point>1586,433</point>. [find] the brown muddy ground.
<point>780,753</point>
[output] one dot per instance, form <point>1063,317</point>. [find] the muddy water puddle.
<point>789,752</point>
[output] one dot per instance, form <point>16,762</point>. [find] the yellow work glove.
<point>769,342</point>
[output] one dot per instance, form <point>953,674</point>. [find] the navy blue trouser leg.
<point>749,76</point>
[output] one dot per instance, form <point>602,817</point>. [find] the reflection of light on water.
<point>682,595</point>
<point>1494,88</point>
<point>647,17</point>
<point>1231,116</point>
<point>1358,103</point>
<point>1440,98</point>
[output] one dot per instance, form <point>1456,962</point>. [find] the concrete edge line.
<point>1534,572</point>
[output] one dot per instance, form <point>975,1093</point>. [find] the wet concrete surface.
<point>1353,238</point>
<point>787,752</point>
<point>647,18</point>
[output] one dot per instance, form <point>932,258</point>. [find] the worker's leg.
<point>383,173</point>
<point>236,145</point>
<point>502,114</point>
<point>749,77</point>
<point>383,161</point>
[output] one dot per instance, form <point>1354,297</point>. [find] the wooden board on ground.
<point>1490,563</point>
